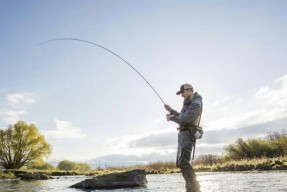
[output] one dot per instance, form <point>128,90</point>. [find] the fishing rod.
<point>89,42</point>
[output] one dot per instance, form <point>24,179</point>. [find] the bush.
<point>66,165</point>
<point>264,166</point>
<point>274,146</point>
<point>208,159</point>
<point>69,165</point>
<point>83,167</point>
<point>8,175</point>
<point>45,166</point>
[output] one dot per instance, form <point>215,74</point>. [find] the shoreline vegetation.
<point>161,167</point>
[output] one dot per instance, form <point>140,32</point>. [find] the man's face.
<point>186,93</point>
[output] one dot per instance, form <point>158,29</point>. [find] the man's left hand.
<point>167,107</point>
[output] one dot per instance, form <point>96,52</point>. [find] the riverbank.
<point>261,164</point>
<point>256,164</point>
<point>160,167</point>
<point>7,175</point>
<point>13,174</point>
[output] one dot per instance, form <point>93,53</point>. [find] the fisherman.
<point>188,120</point>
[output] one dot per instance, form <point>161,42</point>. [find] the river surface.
<point>274,181</point>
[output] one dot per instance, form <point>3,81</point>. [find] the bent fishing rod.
<point>95,44</point>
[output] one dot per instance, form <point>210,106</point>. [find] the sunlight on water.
<point>210,182</point>
<point>243,181</point>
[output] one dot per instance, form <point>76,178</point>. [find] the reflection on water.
<point>245,181</point>
<point>211,182</point>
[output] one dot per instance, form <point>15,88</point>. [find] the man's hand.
<point>167,107</point>
<point>168,116</point>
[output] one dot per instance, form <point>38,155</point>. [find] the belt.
<point>186,128</point>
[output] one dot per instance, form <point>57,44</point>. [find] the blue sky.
<point>91,106</point>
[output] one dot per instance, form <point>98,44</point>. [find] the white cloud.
<point>65,129</point>
<point>268,103</point>
<point>161,142</point>
<point>15,106</point>
<point>156,135</point>
<point>20,99</point>
<point>12,116</point>
<point>273,98</point>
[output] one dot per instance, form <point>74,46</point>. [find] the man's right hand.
<point>168,116</point>
<point>167,107</point>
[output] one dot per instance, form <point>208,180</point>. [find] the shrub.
<point>274,146</point>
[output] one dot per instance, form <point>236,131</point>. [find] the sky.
<point>92,107</point>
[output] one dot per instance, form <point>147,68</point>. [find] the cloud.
<point>65,130</point>
<point>15,106</point>
<point>273,98</point>
<point>20,99</point>
<point>213,141</point>
<point>265,110</point>
<point>151,141</point>
<point>265,104</point>
<point>251,131</point>
<point>155,140</point>
<point>12,116</point>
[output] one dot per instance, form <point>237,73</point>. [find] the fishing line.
<point>89,42</point>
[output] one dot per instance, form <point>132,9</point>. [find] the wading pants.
<point>185,146</point>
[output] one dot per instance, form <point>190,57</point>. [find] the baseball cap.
<point>183,87</point>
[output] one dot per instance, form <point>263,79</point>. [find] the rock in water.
<point>134,178</point>
<point>35,176</point>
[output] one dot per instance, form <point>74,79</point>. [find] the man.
<point>188,119</point>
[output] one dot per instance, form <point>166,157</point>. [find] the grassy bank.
<point>15,173</point>
<point>161,167</point>
<point>260,164</point>
<point>158,167</point>
<point>8,175</point>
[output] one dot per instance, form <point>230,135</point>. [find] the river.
<point>253,181</point>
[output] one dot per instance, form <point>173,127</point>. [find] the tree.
<point>67,165</point>
<point>45,166</point>
<point>70,165</point>
<point>83,167</point>
<point>21,144</point>
<point>40,165</point>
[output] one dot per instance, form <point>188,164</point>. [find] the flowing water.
<point>274,181</point>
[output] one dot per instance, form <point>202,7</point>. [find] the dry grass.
<point>224,164</point>
<point>7,175</point>
<point>158,167</point>
<point>278,163</point>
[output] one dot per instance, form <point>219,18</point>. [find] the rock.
<point>27,176</point>
<point>34,176</point>
<point>17,173</point>
<point>44,176</point>
<point>59,173</point>
<point>63,173</point>
<point>129,179</point>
